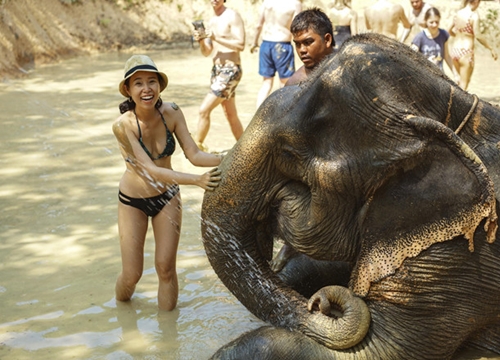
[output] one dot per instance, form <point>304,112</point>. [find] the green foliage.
<point>490,24</point>
<point>69,2</point>
<point>129,4</point>
<point>104,22</point>
<point>179,7</point>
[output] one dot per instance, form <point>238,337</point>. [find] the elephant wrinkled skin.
<point>378,161</point>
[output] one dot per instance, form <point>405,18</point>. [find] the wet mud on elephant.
<point>380,165</point>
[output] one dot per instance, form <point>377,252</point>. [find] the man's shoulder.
<point>232,12</point>
<point>298,76</point>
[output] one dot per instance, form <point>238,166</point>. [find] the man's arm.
<point>203,38</point>
<point>406,32</point>
<point>354,23</point>
<point>206,46</point>
<point>258,28</point>
<point>367,20</point>
<point>406,24</point>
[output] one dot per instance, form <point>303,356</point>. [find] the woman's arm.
<point>133,154</point>
<point>191,151</point>
<point>482,40</point>
<point>451,28</point>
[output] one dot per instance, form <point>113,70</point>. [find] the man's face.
<point>311,47</point>
<point>417,4</point>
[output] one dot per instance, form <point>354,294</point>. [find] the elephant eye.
<point>291,162</point>
<point>290,153</point>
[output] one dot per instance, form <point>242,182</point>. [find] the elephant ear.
<point>441,190</point>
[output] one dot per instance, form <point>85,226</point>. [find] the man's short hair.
<point>314,19</point>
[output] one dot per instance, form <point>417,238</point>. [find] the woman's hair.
<point>314,19</point>
<point>129,104</point>
<point>432,12</point>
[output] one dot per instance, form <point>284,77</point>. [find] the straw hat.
<point>141,63</point>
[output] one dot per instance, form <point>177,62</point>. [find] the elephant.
<point>378,160</point>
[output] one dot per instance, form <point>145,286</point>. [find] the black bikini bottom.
<point>150,206</point>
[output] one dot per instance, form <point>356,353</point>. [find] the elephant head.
<point>358,164</point>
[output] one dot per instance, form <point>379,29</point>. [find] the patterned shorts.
<point>225,79</point>
<point>458,53</point>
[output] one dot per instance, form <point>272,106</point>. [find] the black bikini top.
<point>169,146</point>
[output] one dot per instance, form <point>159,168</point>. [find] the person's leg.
<point>208,104</point>
<point>229,107</point>
<point>463,60</point>
<point>465,69</point>
<point>167,228</point>
<point>267,70</point>
<point>265,90</point>
<point>132,228</point>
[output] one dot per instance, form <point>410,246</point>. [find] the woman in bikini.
<point>150,187</point>
<point>465,29</point>
<point>344,20</point>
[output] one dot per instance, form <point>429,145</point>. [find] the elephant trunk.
<point>351,326</point>
<point>237,260</point>
<point>233,242</point>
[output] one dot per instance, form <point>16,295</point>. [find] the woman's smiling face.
<point>144,87</point>
<point>433,23</point>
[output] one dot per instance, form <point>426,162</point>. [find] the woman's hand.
<point>210,180</point>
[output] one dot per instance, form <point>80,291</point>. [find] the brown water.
<point>59,254</point>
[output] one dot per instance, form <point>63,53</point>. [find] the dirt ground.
<point>34,32</point>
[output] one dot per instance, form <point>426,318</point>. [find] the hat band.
<point>139,67</point>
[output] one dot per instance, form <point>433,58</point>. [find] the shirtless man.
<point>225,37</point>
<point>384,16</point>
<point>416,18</point>
<point>312,33</point>
<point>276,51</point>
<point>344,19</point>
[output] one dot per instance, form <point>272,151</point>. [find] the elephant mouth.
<point>290,218</point>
